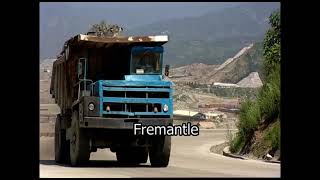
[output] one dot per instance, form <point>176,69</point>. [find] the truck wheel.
<point>132,155</point>
<point>159,152</point>
<point>79,143</point>
<point>61,145</point>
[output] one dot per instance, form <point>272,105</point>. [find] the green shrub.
<point>249,117</point>
<point>272,136</point>
<point>269,96</point>
<point>237,143</point>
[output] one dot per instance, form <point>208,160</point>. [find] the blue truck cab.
<point>143,94</point>
<point>104,85</point>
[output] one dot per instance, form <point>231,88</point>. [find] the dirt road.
<point>190,158</point>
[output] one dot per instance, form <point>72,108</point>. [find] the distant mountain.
<point>60,21</point>
<point>210,38</point>
<point>214,37</point>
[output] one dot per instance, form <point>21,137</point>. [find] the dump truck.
<point>103,86</point>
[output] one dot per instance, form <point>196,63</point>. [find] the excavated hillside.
<point>233,70</point>
<point>45,80</point>
<point>192,73</point>
<point>251,81</point>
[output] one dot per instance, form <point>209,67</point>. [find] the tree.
<point>271,45</point>
<point>104,29</point>
<point>269,98</point>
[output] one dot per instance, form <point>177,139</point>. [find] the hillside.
<point>191,73</point>
<point>247,60</point>
<point>240,66</point>
<point>252,80</point>
<point>259,119</point>
<point>213,37</point>
<point>45,80</point>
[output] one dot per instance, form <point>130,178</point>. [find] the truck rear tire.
<point>159,152</point>
<point>61,145</point>
<point>135,155</point>
<point>79,143</point>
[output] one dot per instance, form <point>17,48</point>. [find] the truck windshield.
<point>147,62</point>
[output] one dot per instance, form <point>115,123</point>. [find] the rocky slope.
<point>252,81</point>
<point>45,80</point>
<point>233,70</point>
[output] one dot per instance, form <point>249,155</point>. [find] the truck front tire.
<point>79,143</point>
<point>159,152</point>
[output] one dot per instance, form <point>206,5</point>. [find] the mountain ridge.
<point>209,38</point>
<point>213,37</point>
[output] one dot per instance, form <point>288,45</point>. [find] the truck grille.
<point>132,107</point>
<point>133,94</point>
<point>134,101</point>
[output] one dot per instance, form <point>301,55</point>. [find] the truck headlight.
<point>91,106</point>
<point>165,108</point>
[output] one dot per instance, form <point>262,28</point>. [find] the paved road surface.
<point>190,158</point>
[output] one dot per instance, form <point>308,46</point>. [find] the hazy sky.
<point>60,20</point>
<point>133,14</point>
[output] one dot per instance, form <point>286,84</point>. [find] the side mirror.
<point>80,71</point>
<point>166,70</point>
<point>82,68</point>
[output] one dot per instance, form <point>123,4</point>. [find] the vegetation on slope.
<point>259,121</point>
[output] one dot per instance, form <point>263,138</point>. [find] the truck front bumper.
<point>122,123</point>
